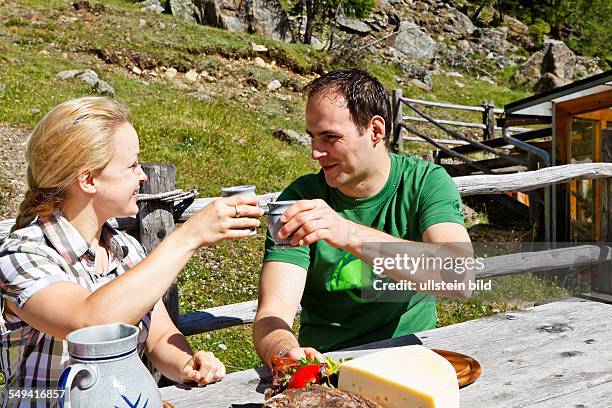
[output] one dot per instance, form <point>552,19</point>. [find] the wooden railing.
<point>156,220</point>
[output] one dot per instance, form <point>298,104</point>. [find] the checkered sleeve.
<point>25,269</point>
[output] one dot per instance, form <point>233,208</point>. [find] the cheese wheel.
<point>406,377</point>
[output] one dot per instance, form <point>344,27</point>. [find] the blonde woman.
<point>64,268</point>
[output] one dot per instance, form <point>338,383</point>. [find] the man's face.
<point>343,152</point>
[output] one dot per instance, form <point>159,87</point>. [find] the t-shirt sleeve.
<point>439,200</point>
<point>299,256</point>
<point>22,274</point>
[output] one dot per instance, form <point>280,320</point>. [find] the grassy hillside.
<point>226,142</point>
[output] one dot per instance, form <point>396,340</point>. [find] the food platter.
<point>468,370</point>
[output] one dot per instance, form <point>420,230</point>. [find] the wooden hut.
<point>580,114</point>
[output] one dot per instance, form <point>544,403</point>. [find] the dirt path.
<point>12,168</point>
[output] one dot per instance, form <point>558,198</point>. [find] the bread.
<point>316,396</point>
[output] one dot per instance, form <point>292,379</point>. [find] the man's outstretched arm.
<point>281,286</point>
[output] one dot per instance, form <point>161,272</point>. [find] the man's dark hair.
<point>365,96</point>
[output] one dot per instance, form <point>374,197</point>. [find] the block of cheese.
<point>406,377</point>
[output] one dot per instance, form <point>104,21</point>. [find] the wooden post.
<point>605,277</point>
<point>396,106</point>
<point>156,220</point>
<point>534,195</point>
<point>488,119</point>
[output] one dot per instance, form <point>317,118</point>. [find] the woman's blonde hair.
<point>73,138</point>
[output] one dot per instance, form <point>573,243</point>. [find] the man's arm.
<point>281,286</point>
<point>309,221</point>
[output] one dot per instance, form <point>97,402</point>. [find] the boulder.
<point>413,42</point>
<point>416,71</point>
<point>201,97</point>
<point>89,77</point>
<point>493,40</point>
<point>191,75</point>
<point>531,70</point>
<point>152,5</point>
<point>518,32</point>
<point>274,85</point>
<point>549,82</point>
<point>68,74</point>
<point>353,26</point>
<point>264,17</point>
<point>292,136</point>
<point>460,23</point>
<point>183,9</point>
<point>104,88</point>
<point>559,60</point>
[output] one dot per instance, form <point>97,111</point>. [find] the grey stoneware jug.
<point>106,371</point>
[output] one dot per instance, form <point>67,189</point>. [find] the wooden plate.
<point>467,369</point>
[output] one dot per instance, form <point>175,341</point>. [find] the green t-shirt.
<point>416,195</point>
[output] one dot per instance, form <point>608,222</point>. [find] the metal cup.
<point>239,190</point>
<point>277,208</point>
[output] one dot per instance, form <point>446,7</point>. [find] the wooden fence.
<point>157,219</point>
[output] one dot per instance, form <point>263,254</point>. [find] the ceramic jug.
<point>106,371</point>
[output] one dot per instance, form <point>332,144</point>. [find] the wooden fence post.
<point>488,119</point>
<point>396,106</point>
<point>605,277</point>
<point>156,220</point>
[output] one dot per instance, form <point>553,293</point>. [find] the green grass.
<point>228,142</point>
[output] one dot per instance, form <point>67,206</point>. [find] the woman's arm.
<point>64,306</point>
<point>173,357</point>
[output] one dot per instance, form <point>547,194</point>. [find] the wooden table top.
<point>554,355</point>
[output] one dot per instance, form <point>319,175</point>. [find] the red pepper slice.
<point>310,374</point>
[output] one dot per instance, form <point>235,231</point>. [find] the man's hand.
<point>309,221</point>
<point>297,353</point>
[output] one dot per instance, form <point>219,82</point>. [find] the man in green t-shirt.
<point>363,194</point>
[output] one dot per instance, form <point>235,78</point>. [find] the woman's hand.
<point>203,368</point>
<point>225,218</point>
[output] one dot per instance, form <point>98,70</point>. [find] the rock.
<point>274,85</point>
<point>68,74</point>
<point>184,9</point>
<point>82,5</point>
<point>518,32</point>
<point>258,47</point>
<point>419,84</point>
<point>453,74</point>
<point>531,70</point>
<point>2,87</point>
<point>89,77</point>
<point>136,70</point>
<point>142,23</point>
<point>559,60</point>
<point>201,97</point>
<point>413,42</point>
<point>259,62</point>
<point>264,17</point>
<point>191,75</point>
<point>152,5</point>
<point>461,23</point>
<point>31,16</point>
<point>104,88</point>
<point>459,84</point>
<point>549,82</point>
<point>291,136</point>
<point>554,58</point>
<point>35,111</point>
<point>493,40</point>
<point>170,73</point>
<point>464,45</point>
<point>353,26</point>
<point>416,71</point>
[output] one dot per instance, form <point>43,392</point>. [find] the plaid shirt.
<point>47,251</point>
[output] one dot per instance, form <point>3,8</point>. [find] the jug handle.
<point>68,376</point>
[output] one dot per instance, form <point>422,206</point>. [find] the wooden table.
<point>557,355</point>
